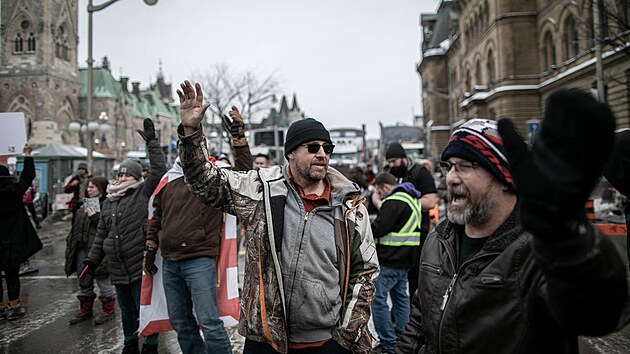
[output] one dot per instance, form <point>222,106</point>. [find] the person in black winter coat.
<point>517,267</point>
<point>18,239</point>
<point>78,244</point>
<point>121,236</point>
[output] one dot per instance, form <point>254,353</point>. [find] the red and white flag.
<point>153,310</point>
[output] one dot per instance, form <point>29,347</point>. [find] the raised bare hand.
<point>27,150</point>
<point>191,106</point>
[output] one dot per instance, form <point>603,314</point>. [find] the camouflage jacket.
<point>253,197</point>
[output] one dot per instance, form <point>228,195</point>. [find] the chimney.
<point>136,88</point>
<point>124,81</point>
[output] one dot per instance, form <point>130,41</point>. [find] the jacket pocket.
<point>431,268</point>
<point>311,307</point>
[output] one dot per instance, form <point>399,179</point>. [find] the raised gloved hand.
<point>86,278</point>
<point>556,177</point>
<point>148,263</point>
<point>148,133</point>
<point>236,126</point>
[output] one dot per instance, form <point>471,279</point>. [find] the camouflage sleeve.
<point>206,181</point>
<point>352,331</point>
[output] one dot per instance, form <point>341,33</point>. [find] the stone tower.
<point>38,66</point>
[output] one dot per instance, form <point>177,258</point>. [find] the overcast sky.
<point>349,61</point>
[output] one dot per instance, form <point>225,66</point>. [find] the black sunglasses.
<point>313,148</point>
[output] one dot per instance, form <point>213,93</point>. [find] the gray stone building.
<point>40,76</point>
<point>502,58</point>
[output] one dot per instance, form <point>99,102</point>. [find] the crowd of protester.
<point>488,252</point>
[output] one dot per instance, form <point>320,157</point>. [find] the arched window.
<point>549,51</point>
<point>570,39</point>
<point>468,79</point>
<point>490,67</point>
<point>478,75</point>
<point>31,43</point>
<point>19,43</point>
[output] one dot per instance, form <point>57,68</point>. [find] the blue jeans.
<point>392,281</point>
<point>129,302</point>
<point>192,282</point>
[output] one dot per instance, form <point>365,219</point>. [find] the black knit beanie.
<point>478,140</point>
<point>395,150</point>
<point>303,131</point>
<point>4,171</point>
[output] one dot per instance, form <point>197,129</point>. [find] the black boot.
<point>149,348</point>
<point>131,347</point>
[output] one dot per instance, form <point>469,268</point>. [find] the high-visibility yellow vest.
<point>409,234</point>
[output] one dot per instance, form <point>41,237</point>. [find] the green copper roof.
<point>103,82</point>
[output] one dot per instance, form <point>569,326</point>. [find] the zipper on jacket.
<point>448,292</point>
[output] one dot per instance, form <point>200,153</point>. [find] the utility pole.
<point>599,69</point>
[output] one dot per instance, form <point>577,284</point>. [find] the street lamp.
<point>90,61</point>
<point>89,128</point>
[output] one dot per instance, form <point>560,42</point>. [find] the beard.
<point>476,211</point>
<point>311,172</point>
<point>399,171</point>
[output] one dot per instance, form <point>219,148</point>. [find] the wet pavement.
<point>50,301</point>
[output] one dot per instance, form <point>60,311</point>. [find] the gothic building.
<point>500,58</point>
<point>38,67</point>
<point>39,76</point>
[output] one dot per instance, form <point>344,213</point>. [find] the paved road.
<point>50,299</point>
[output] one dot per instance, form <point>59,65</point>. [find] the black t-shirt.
<point>468,246</point>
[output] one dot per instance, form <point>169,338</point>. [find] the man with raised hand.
<point>517,267</point>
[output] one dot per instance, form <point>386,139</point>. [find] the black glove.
<point>148,263</point>
<point>86,278</point>
<point>149,130</point>
<point>556,177</point>
<point>235,126</point>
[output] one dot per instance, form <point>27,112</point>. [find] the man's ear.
<point>290,156</point>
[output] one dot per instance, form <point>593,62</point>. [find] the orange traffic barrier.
<point>590,210</point>
<point>612,229</point>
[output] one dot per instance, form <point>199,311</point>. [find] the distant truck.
<point>410,137</point>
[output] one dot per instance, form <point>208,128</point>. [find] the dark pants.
<point>331,347</point>
<point>31,209</point>
<point>129,302</point>
<point>12,276</point>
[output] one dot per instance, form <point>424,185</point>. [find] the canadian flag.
<point>153,310</point>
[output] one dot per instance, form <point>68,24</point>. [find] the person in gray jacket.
<point>311,262</point>
<point>121,236</point>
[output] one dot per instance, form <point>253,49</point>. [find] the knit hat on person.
<point>4,171</point>
<point>131,167</point>
<point>395,150</point>
<point>478,140</point>
<point>303,131</point>
<point>82,165</point>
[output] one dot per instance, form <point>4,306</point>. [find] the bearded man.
<point>311,261</point>
<point>520,272</point>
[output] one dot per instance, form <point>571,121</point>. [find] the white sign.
<point>12,133</point>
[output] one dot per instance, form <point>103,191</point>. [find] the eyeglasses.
<point>313,148</point>
<point>462,168</point>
